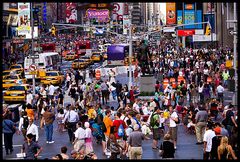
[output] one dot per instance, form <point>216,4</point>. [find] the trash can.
<point>15,112</point>
<point>231,85</point>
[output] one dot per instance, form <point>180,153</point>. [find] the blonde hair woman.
<point>225,151</point>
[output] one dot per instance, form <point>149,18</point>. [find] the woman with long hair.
<point>225,151</point>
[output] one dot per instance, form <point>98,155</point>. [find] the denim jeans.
<point>114,94</point>
<point>48,132</point>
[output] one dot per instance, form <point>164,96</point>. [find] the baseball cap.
<point>217,130</point>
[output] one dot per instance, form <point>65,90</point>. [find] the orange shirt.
<point>108,123</point>
<point>30,113</point>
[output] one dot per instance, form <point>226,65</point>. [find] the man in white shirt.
<point>79,142</point>
<point>207,139</point>
<point>32,129</point>
<point>51,90</point>
<point>152,104</point>
<point>173,126</point>
<point>220,90</point>
<point>72,118</point>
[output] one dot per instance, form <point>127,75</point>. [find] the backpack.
<point>25,122</point>
<point>104,128</point>
<point>120,131</point>
<point>178,122</point>
<point>152,120</point>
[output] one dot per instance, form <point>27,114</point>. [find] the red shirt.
<point>132,98</point>
<point>116,124</point>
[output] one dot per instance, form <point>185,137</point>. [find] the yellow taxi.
<point>10,80</point>
<point>70,56</point>
<point>54,77</point>
<point>17,67</point>
<point>79,64</point>
<point>16,93</point>
<point>87,59</point>
<point>96,57</point>
<point>8,72</point>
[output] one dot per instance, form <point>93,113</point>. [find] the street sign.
<point>34,56</point>
<point>33,67</point>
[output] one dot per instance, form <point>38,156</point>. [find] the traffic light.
<point>208,29</point>
<point>53,30</point>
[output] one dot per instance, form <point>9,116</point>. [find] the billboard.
<point>101,15</point>
<point>118,10</point>
<point>126,23</point>
<point>189,18</point>
<point>71,12</point>
<point>211,19</point>
<point>170,13</point>
<point>179,17</point>
<point>23,18</point>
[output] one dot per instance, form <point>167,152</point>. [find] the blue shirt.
<point>7,126</point>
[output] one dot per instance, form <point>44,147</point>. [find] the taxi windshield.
<point>11,77</point>
<point>16,67</point>
<point>51,74</point>
<point>17,88</point>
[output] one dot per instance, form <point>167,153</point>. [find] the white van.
<point>47,61</point>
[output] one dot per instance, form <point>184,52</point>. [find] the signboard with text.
<point>170,13</point>
<point>23,19</point>
<point>71,12</point>
<point>185,32</point>
<point>101,15</point>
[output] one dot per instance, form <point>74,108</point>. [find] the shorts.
<point>173,133</point>
<point>156,133</point>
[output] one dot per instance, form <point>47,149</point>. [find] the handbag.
<point>67,123</point>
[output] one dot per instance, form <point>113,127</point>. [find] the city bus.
<point>45,61</point>
<point>116,54</point>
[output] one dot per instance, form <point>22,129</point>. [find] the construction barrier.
<point>98,74</point>
<point>173,81</point>
<point>165,83</point>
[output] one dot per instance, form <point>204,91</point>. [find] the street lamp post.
<point>33,59</point>
<point>130,49</point>
<point>235,50</point>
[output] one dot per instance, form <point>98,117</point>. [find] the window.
<point>17,88</point>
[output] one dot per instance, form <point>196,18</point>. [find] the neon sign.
<point>100,15</point>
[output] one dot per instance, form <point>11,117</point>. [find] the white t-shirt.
<point>80,133</point>
<point>220,89</point>
<point>51,89</point>
<point>29,98</point>
<point>172,122</point>
<point>209,134</point>
<point>136,107</point>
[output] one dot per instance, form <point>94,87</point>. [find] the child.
<point>60,117</point>
<point>114,146</point>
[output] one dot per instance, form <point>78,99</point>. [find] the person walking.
<point>104,90</point>
<point>107,121</point>
<point>155,127</point>
<point>220,90</point>
<point>8,129</point>
<point>167,148</point>
<point>88,138</point>
<point>48,118</point>
<point>207,139</point>
<point>31,148</point>
<point>173,125</point>
<point>79,141</point>
<point>72,118</point>
<point>135,143</point>
<point>201,121</point>
<point>33,129</point>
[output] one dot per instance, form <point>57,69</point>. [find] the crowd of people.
<point>195,102</point>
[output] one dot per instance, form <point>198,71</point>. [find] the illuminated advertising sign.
<point>189,18</point>
<point>23,19</point>
<point>170,13</point>
<point>71,12</point>
<point>126,23</point>
<point>100,15</point>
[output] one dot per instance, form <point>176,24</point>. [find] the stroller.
<point>97,132</point>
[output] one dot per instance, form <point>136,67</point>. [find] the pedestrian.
<point>48,118</point>
<point>8,129</point>
<point>60,117</point>
<point>207,139</point>
<point>230,120</point>
<point>135,143</point>
<point>31,148</point>
<point>216,142</point>
<point>225,151</point>
<point>220,91</point>
<point>155,127</point>
<point>104,90</point>
<point>23,123</point>
<point>107,121</point>
<point>71,119</point>
<point>79,141</point>
<point>32,129</point>
<point>201,122</point>
<point>167,148</point>
<point>173,125</point>
<point>88,139</point>
<point>114,146</point>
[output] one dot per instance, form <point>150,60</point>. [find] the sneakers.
<point>51,142</point>
<point>47,142</point>
<point>175,147</point>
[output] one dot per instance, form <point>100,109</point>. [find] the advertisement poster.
<point>189,18</point>
<point>126,23</point>
<point>23,18</point>
<point>118,10</point>
<point>100,15</point>
<point>170,13</point>
<point>179,17</point>
<point>71,12</point>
